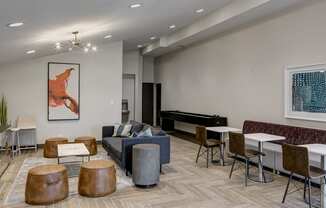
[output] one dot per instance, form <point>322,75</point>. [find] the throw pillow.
<point>124,130</point>
<point>145,133</point>
<point>115,132</point>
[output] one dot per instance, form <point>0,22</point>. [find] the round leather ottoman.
<point>46,184</point>
<point>97,178</point>
<point>90,143</point>
<point>51,146</point>
<point>146,165</point>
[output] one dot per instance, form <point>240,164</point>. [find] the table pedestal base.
<point>268,178</point>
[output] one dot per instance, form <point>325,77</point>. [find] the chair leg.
<point>232,168</point>
<point>198,153</point>
<point>305,189</point>
<point>287,188</point>
<point>212,154</point>
<point>246,173</point>
<point>207,157</point>
<point>309,193</point>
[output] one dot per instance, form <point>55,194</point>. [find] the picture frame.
<point>63,91</point>
<point>305,92</point>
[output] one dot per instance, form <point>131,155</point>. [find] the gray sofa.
<point>120,148</point>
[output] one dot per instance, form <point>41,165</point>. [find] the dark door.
<point>158,104</point>
<point>148,103</point>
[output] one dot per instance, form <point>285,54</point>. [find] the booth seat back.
<point>294,135</point>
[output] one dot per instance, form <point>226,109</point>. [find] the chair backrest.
<point>201,134</point>
<point>296,159</point>
<point>26,122</point>
<point>237,144</point>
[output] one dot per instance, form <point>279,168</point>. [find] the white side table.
<point>261,138</point>
<point>223,130</point>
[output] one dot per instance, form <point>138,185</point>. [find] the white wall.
<point>25,86</point>
<point>240,74</point>
<point>133,64</point>
<point>148,69</point>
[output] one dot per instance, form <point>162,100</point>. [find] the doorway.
<point>129,94</point>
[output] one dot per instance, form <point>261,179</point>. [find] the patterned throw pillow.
<point>145,133</point>
<point>122,130</point>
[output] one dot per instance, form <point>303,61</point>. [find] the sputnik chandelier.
<point>76,44</point>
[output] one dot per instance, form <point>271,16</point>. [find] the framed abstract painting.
<point>305,92</point>
<point>63,91</point>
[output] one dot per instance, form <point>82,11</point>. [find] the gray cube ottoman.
<point>146,165</point>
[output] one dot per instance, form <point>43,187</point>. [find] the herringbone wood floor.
<point>183,184</point>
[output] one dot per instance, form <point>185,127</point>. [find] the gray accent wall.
<point>240,74</point>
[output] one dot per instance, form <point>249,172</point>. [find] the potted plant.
<point>3,115</point>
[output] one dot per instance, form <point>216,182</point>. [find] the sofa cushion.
<point>115,144</point>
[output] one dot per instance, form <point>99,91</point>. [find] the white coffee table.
<point>261,138</point>
<point>70,150</point>
<point>223,130</point>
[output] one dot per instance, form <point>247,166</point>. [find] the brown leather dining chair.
<point>208,144</point>
<point>296,161</point>
<point>237,147</point>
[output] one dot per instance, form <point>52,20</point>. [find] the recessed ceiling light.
<point>58,47</point>
<point>89,44</point>
<point>30,51</point>
<point>94,48</point>
<point>133,6</point>
<point>69,49</point>
<point>153,38</point>
<point>140,46</point>
<point>15,24</point>
<point>171,27</point>
<point>107,36</point>
<point>86,50</point>
<point>57,43</point>
<point>201,10</point>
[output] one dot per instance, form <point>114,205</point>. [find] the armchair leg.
<point>287,188</point>
<point>232,168</point>
<point>198,153</point>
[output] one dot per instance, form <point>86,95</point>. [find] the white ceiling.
<point>49,21</point>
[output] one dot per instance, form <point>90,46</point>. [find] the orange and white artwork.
<point>63,91</point>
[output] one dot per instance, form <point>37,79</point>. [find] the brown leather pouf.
<point>97,178</point>
<point>90,143</point>
<point>51,146</point>
<point>46,184</point>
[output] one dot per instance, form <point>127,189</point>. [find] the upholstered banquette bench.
<point>294,135</point>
